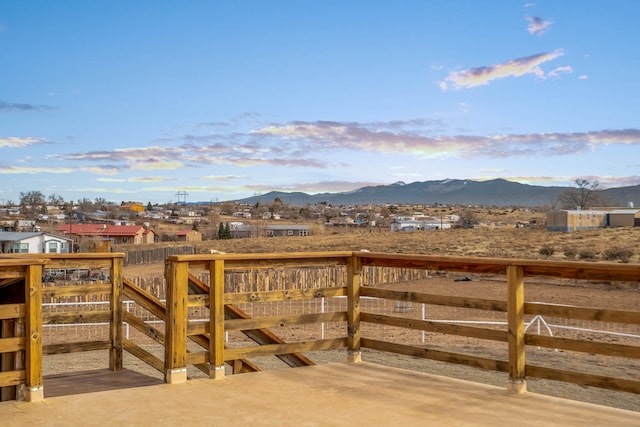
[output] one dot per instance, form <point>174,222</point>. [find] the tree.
<point>32,202</point>
<point>55,200</point>
<point>468,218</point>
<point>585,195</point>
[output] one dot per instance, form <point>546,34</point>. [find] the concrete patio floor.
<point>336,394</point>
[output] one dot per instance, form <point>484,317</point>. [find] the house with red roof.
<point>117,234</point>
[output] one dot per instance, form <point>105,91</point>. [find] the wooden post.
<point>33,390</point>
<point>515,318</point>
<point>117,315</point>
<point>216,319</point>
<point>175,357</point>
<point>354,272</point>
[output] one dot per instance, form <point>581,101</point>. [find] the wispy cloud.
<point>10,169</point>
<point>480,76</point>
<point>19,142</point>
<point>556,71</point>
<point>318,145</point>
<point>348,136</point>
<point>151,179</point>
<point>537,25</point>
<point>11,107</point>
<point>222,177</point>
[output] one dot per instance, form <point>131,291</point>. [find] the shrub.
<point>546,250</point>
<point>618,253</point>
<point>570,253</point>
<point>587,254</point>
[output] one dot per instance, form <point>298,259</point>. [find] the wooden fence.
<point>514,272</point>
<point>220,284</point>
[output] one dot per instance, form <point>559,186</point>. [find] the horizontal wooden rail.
<point>531,268</point>
<point>63,318</point>
<point>76,290</point>
<point>595,347</point>
<point>448,300</point>
<point>276,349</point>
<point>438,327</point>
<point>583,313</point>
<point>288,295</point>
<point>442,356</point>
<point>76,347</point>
<point>11,378</point>
<point>12,311</point>
<point>12,344</point>
<point>620,384</point>
<point>266,260</point>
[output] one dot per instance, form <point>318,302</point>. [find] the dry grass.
<point>531,243</point>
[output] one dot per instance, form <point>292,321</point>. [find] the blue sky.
<point>143,100</point>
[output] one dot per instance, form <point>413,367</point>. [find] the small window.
<point>125,240</point>
<point>20,248</point>
<point>53,247</point>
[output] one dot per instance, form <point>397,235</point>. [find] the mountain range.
<point>496,192</point>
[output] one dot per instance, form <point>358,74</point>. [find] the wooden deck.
<point>337,394</point>
<point>94,381</point>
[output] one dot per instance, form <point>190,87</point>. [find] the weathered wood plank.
<point>12,344</point>
<point>596,347</point>
<point>12,311</point>
<point>275,349</point>
<point>286,295</point>
<point>583,313</point>
<point>442,356</point>
<point>282,321</point>
<point>11,378</point>
<point>62,318</point>
<point>76,347</point>
<point>448,300</point>
<point>442,328</point>
<point>610,383</point>
<point>76,290</point>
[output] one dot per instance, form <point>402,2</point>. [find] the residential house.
<point>33,243</point>
<point>425,223</point>
<point>189,236</point>
<point>287,230</point>
<point>117,234</point>
<point>574,220</point>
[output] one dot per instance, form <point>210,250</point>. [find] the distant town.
<point>39,224</point>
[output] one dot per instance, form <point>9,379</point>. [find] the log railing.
<point>514,272</point>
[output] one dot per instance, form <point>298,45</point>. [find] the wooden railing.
<point>109,290</point>
<point>212,281</point>
<point>21,329</point>
<point>513,271</point>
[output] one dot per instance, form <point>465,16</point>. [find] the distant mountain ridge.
<point>495,192</point>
